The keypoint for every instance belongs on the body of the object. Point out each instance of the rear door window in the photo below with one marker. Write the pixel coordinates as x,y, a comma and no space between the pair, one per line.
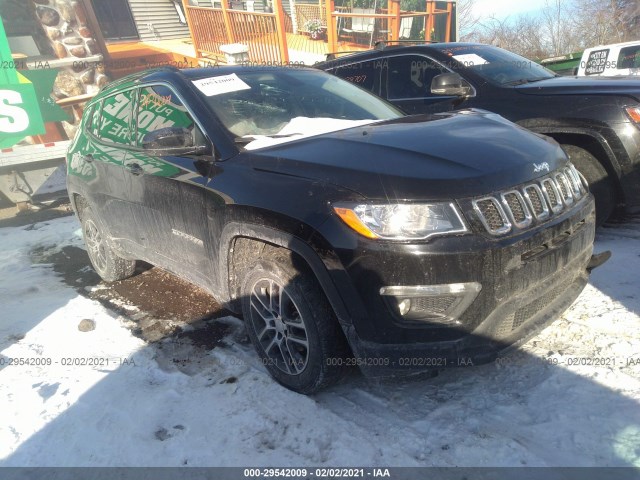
93,120
363,74
629,57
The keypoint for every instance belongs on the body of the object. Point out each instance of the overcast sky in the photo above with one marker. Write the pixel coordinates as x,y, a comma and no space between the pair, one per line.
504,8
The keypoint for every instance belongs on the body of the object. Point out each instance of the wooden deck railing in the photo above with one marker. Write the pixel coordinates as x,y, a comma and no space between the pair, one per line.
266,33
263,33
387,24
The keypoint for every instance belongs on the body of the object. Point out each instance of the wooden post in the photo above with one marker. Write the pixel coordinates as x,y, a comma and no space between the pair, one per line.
281,31
431,4
227,21
331,27
447,29
194,38
394,11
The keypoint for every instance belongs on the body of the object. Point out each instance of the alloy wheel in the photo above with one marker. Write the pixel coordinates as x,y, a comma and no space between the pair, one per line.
96,247
279,326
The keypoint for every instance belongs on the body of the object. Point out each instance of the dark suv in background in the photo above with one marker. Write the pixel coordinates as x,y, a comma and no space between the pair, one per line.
596,120
345,232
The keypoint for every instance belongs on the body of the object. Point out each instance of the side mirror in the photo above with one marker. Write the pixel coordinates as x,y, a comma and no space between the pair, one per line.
450,85
172,141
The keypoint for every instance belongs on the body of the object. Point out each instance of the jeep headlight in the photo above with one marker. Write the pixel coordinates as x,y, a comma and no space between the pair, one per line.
404,221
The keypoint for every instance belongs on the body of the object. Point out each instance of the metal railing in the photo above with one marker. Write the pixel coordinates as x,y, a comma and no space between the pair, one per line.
263,33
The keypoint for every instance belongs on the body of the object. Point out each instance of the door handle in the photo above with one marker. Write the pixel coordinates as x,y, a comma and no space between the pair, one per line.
134,168
88,158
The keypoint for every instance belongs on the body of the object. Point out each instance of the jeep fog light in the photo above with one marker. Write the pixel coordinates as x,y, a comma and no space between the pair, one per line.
404,306
442,304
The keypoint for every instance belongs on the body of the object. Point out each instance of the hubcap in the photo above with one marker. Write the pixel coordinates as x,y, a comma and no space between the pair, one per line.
279,326
95,245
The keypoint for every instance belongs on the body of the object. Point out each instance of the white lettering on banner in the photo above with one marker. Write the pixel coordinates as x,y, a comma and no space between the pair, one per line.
13,119
121,101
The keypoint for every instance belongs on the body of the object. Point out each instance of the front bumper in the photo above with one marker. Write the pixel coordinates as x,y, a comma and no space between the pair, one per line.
527,281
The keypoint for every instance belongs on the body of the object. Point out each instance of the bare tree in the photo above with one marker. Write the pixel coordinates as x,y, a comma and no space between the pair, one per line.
628,15
561,27
467,18
520,35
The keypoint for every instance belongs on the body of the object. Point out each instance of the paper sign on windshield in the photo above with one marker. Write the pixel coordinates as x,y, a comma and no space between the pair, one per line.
470,59
218,85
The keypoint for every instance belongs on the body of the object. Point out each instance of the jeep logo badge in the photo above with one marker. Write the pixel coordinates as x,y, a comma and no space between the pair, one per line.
540,167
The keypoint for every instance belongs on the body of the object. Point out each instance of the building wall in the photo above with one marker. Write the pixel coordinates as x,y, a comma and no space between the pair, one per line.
162,15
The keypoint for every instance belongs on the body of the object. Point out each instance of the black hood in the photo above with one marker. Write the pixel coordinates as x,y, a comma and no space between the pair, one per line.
436,157
626,86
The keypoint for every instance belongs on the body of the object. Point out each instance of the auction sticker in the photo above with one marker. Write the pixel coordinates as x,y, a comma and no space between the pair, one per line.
470,59
222,84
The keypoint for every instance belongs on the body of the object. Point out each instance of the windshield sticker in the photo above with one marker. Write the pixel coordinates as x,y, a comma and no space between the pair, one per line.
470,59
218,85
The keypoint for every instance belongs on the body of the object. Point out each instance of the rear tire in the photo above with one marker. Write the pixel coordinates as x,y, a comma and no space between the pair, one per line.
600,183
105,261
292,326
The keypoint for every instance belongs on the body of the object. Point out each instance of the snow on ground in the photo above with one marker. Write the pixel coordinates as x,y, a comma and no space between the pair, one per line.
138,408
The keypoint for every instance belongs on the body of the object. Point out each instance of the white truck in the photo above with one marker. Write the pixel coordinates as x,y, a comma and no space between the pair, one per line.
613,60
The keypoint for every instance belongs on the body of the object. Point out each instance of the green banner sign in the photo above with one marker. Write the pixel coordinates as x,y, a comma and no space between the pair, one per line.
25,99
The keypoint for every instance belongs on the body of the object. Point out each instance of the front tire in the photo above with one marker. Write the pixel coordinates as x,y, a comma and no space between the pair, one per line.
600,183
105,261
292,326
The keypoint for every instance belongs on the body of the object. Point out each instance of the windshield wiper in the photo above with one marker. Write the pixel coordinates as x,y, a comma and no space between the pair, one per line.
522,81
246,139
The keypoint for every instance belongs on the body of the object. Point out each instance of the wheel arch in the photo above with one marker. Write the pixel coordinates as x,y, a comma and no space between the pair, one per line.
591,141
241,244
78,204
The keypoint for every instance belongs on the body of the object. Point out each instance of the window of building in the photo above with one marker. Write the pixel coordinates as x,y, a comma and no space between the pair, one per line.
115,19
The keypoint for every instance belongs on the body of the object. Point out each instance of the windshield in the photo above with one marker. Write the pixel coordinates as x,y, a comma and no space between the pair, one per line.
496,65
266,102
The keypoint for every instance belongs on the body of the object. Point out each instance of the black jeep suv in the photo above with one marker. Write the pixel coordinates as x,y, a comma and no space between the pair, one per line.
345,232
596,120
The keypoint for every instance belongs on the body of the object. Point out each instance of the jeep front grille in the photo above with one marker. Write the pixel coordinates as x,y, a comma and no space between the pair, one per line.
492,215
536,201
517,208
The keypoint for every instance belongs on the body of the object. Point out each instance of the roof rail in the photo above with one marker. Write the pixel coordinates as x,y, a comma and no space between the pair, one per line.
379,45
334,55
382,44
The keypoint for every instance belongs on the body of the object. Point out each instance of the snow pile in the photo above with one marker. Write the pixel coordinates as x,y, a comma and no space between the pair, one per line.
303,127
138,408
